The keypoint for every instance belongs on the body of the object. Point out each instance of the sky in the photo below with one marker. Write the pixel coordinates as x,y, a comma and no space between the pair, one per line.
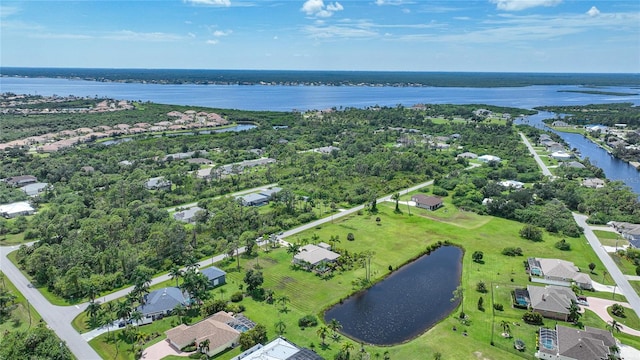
384,35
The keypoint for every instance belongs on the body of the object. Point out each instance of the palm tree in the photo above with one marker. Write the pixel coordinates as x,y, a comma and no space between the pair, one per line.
204,346
180,311
107,317
136,316
347,347
293,249
280,327
93,309
222,291
175,273
333,240
396,197
283,300
506,328
334,325
123,310
574,312
613,325
322,332
191,263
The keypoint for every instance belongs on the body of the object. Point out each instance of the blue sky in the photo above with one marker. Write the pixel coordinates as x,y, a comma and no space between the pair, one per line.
408,35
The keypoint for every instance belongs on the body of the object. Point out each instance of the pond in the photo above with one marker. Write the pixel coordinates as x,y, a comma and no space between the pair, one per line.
406,303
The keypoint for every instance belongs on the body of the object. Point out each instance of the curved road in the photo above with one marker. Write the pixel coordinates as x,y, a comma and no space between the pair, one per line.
59,317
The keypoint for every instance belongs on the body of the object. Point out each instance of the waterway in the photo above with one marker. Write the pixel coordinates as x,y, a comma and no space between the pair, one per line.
287,98
614,168
406,303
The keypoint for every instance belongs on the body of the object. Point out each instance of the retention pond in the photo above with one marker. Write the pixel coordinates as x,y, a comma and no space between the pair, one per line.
406,303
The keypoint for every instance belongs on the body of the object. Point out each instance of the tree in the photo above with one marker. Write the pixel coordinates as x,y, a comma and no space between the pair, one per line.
350,237
283,300
180,311
396,197
253,279
293,249
458,294
481,287
203,347
334,325
481,303
477,256
613,325
592,267
531,232
93,310
280,327
532,318
563,245
175,273
505,328
136,316
574,312
323,331
347,347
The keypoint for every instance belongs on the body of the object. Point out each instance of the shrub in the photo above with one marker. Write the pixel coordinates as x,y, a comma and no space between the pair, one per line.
531,232
617,310
350,237
190,347
563,245
481,303
532,318
307,321
498,307
512,251
481,287
438,191
477,256
237,296
638,270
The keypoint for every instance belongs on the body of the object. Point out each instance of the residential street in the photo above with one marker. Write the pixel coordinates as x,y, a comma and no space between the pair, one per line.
543,167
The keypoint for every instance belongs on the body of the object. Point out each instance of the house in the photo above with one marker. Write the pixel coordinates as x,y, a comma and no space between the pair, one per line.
315,256
21,180
512,184
551,301
253,200
559,123
326,149
34,189
278,349
200,161
427,202
221,330
158,183
87,169
573,164
188,215
557,272
593,183
216,276
564,343
489,158
468,155
16,209
270,192
161,302
628,231
561,155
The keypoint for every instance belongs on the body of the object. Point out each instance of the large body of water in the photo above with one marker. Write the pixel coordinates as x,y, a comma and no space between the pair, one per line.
405,304
287,98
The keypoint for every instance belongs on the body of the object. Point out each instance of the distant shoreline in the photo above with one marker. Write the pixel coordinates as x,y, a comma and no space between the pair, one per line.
326,78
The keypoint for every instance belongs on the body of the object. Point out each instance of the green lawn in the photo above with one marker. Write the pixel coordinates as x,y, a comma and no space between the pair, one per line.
627,267
19,319
609,238
630,318
395,240
12,239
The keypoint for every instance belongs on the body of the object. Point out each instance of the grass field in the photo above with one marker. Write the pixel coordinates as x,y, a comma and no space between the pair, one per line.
609,238
23,315
395,240
630,318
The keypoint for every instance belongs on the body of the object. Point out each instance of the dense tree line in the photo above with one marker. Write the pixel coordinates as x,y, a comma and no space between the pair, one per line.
605,114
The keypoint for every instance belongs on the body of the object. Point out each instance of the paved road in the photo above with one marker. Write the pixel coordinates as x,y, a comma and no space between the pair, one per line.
620,279
545,169
57,317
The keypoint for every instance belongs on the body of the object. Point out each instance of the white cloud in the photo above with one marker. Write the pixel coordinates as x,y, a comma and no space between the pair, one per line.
337,32
389,2
191,35
517,5
220,33
593,11
317,8
212,42
6,11
128,35
275,37
209,2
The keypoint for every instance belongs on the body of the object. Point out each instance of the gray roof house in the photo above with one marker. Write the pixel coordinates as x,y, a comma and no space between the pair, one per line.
34,189
271,192
628,231
557,272
573,164
160,302
575,344
215,275
21,180
468,155
188,215
314,255
551,301
253,199
158,183
593,183
427,202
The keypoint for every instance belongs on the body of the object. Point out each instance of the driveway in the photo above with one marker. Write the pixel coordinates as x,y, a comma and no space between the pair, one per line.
160,350
599,306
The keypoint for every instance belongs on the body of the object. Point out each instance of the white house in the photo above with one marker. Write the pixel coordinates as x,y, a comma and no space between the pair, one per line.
16,209
489,158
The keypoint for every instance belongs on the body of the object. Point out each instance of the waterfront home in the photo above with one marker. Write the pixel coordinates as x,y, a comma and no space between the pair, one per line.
315,256
278,349
628,231
594,183
551,301
564,343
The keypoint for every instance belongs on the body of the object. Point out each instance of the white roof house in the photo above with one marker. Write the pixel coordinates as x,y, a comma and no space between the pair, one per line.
16,209
488,158
561,155
512,184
